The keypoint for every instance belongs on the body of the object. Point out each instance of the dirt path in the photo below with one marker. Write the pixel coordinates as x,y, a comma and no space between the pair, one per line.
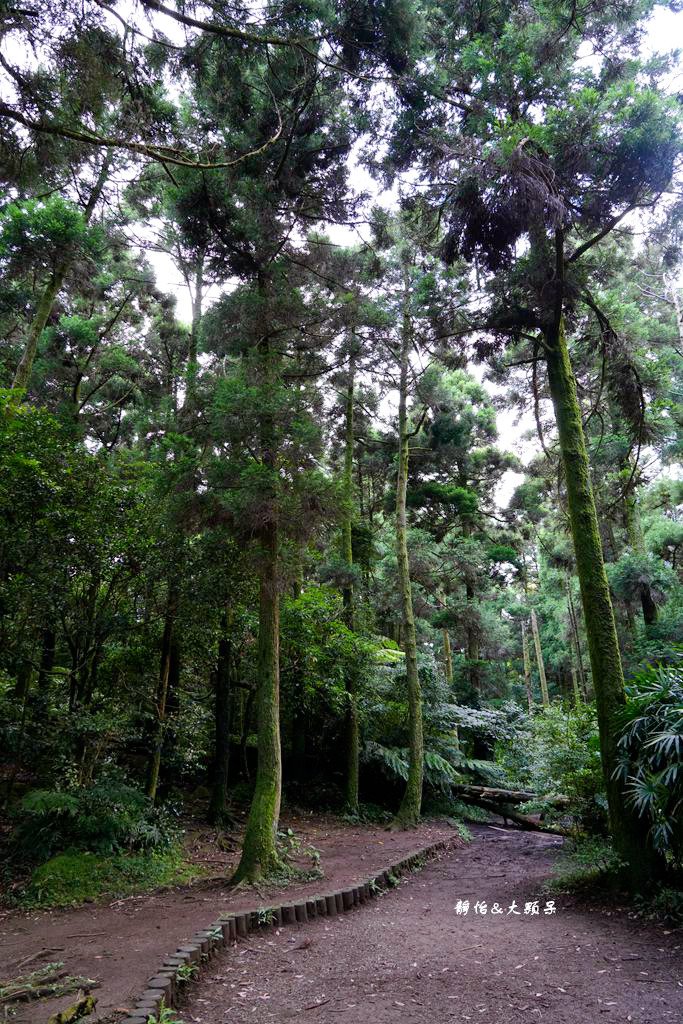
408,956
122,943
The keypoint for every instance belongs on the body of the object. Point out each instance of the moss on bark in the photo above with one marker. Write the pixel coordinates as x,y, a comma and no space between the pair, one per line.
603,646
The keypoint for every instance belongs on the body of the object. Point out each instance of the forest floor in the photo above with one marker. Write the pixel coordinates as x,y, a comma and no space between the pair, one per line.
120,943
408,956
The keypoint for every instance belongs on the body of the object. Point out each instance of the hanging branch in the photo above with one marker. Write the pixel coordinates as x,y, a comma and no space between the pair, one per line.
161,154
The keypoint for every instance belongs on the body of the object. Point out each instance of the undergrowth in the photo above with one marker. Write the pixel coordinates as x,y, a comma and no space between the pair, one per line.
591,869
77,877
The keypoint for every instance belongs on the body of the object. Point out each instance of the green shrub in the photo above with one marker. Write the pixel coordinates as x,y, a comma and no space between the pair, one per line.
107,817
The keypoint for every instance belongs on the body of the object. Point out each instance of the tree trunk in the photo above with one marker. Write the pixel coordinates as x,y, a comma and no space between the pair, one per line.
603,646
539,660
259,851
527,671
162,693
447,657
408,814
218,806
350,682
51,290
193,349
573,621
471,630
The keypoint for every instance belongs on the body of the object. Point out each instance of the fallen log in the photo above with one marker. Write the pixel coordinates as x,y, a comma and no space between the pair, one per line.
512,814
509,796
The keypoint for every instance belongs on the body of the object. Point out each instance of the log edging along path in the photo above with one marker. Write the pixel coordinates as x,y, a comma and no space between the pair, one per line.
166,985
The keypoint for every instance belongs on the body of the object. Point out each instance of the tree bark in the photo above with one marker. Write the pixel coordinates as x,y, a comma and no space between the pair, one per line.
408,814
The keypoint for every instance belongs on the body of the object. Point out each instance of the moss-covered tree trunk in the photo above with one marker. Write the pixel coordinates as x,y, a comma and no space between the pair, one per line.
447,658
603,646
218,805
539,660
527,670
352,725
22,376
259,851
409,812
574,626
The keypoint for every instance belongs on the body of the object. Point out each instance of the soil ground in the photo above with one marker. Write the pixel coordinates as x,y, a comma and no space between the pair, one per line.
121,943
409,957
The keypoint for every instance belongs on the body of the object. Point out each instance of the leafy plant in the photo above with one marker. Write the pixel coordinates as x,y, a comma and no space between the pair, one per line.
107,817
165,1016
651,747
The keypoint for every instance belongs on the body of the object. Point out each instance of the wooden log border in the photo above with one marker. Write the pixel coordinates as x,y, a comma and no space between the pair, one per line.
229,929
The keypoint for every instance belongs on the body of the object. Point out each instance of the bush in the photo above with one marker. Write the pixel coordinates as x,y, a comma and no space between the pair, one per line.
651,748
107,817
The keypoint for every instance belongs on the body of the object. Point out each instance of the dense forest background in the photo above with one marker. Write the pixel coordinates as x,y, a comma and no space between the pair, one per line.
283,547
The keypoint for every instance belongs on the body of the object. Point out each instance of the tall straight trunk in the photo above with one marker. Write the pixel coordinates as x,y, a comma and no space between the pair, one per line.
527,670
447,657
575,687
218,806
259,850
473,650
539,660
574,624
47,658
603,645
162,693
193,348
53,286
352,724
471,629
409,812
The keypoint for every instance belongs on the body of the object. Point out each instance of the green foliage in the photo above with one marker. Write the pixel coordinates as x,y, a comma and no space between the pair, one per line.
557,751
635,572
107,817
39,231
651,747
166,1015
